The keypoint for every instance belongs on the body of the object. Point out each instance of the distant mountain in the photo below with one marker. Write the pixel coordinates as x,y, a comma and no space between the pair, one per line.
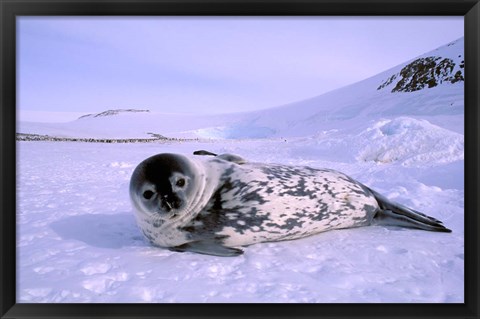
112,112
428,87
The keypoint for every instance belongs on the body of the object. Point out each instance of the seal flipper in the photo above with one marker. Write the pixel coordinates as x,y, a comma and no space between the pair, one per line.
227,157
395,214
208,247
203,152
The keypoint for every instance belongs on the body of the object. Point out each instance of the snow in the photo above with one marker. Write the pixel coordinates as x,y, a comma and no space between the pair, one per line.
77,240
46,117
410,142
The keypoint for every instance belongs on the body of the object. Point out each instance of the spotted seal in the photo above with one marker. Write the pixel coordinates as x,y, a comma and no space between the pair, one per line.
214,204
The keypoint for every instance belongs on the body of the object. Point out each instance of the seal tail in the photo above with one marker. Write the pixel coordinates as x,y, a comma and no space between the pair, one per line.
394,214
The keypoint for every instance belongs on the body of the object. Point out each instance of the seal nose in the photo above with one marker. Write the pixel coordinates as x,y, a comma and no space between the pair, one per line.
170,202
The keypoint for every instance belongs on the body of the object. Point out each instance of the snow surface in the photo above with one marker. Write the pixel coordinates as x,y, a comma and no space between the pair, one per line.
77,240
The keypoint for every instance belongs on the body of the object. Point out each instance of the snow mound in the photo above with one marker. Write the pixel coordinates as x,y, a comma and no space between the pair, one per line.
411,142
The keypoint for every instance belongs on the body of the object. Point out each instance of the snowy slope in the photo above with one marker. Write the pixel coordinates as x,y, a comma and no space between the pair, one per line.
77,240
363,100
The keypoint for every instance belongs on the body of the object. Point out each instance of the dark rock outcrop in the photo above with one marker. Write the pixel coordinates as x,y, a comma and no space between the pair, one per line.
424,73
112,112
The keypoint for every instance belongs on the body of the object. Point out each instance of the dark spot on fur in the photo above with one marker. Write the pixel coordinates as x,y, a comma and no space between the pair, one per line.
289,224
158,223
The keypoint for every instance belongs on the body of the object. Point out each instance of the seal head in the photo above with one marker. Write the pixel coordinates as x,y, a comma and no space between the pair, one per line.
161,185
168,191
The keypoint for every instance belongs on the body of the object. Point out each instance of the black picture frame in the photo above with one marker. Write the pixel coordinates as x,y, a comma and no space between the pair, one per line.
10,9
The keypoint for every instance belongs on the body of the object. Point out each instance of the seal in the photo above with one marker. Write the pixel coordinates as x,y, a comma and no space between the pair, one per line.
213,204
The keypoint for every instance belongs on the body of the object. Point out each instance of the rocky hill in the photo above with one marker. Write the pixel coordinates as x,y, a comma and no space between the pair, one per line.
440,66
425,73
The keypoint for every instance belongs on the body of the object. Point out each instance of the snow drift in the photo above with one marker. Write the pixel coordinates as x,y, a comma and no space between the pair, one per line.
410,142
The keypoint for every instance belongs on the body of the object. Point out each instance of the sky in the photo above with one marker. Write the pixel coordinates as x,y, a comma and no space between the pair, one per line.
80,65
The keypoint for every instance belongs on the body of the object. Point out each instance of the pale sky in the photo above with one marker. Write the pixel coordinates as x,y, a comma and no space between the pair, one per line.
209,64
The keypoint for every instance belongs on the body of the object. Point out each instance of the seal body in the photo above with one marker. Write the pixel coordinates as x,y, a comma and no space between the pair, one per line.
214,204
256,203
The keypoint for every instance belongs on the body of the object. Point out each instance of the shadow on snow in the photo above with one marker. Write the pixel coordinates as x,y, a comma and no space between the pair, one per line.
101,230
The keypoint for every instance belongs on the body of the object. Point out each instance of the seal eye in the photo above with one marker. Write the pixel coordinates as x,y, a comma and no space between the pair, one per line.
147,194
181,182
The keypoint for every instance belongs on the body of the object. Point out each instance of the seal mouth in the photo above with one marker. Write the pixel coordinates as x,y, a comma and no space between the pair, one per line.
169,204
167,216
